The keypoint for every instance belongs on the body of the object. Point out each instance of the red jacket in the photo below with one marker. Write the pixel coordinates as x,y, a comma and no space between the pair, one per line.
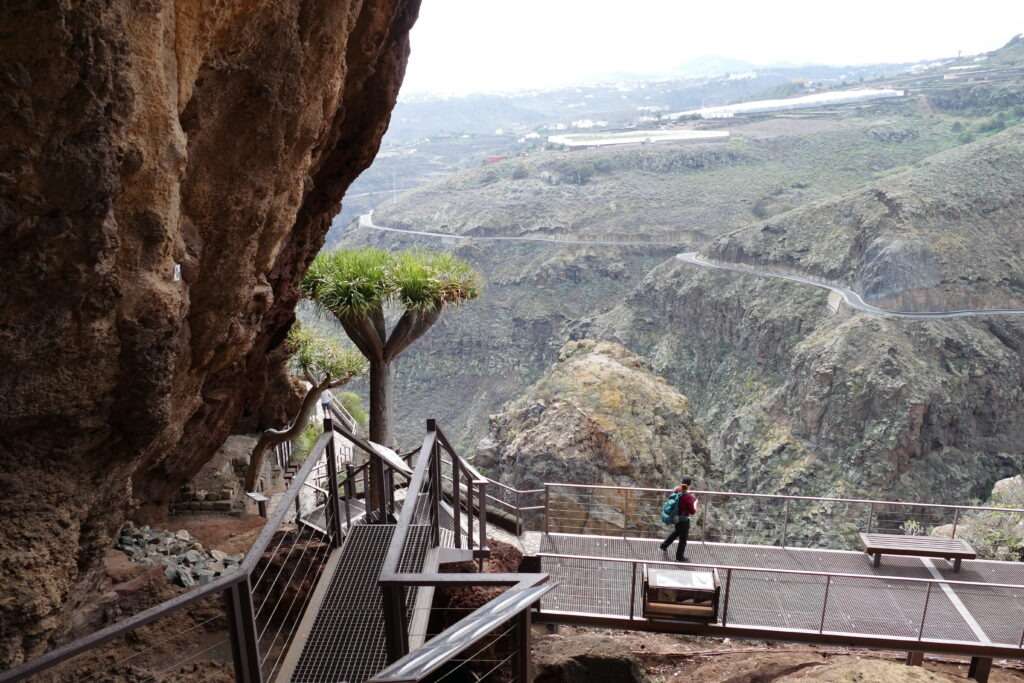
687,505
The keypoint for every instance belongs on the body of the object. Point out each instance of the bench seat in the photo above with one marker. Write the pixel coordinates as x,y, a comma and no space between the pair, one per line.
953,549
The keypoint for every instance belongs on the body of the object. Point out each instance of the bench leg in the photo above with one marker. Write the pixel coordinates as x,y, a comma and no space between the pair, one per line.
956,564
877,561
979,669
915,658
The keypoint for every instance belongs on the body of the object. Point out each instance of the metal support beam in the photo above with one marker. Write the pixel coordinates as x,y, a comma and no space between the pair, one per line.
435,496
245,648
979,669
457,503
523,668
350,493
395,629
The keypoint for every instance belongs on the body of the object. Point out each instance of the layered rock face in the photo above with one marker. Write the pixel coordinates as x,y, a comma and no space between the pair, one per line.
169,169
598,416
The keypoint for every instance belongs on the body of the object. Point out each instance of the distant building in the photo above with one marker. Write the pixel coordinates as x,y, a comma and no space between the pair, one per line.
582,140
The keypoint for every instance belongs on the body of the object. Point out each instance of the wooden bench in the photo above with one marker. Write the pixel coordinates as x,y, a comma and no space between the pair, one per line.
952,549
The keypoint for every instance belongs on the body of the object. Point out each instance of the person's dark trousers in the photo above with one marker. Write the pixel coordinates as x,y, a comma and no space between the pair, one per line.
682,532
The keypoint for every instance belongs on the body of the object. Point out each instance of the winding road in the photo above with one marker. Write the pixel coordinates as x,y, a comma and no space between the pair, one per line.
366,221
849,296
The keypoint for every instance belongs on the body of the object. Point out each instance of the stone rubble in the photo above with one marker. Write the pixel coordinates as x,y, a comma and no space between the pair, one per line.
185,561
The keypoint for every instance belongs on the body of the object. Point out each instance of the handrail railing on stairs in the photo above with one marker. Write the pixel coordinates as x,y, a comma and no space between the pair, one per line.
251,662
422,505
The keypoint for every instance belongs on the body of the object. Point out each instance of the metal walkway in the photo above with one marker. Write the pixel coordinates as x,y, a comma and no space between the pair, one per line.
872,604
346,641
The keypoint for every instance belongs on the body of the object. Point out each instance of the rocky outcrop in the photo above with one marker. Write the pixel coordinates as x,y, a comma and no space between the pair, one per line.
598,416
169,170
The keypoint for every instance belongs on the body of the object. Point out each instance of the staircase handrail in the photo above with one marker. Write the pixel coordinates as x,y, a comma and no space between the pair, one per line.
218,585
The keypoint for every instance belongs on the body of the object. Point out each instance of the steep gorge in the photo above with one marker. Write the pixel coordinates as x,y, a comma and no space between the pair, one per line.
169,169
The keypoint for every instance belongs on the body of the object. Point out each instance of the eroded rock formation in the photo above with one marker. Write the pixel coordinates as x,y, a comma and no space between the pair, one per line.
168,171
598,416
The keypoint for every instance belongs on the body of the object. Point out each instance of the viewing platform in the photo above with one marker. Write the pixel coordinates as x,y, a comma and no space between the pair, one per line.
337,588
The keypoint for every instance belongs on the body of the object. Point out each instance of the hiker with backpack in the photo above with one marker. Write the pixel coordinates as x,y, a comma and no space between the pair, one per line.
677,510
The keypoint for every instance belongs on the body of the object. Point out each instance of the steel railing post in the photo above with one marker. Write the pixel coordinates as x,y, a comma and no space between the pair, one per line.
824,603
395,629
785,521
547,505
632,593
457,506
523,652
871,514
625,513
350,493
469,511
483,520
924,612
704,520
725,600
245,647
435,495
956,520
332,504
389,489
519,516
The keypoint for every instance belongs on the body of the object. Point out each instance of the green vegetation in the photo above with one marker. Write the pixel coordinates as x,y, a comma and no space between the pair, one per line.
358,287
354,405
304,443
325,365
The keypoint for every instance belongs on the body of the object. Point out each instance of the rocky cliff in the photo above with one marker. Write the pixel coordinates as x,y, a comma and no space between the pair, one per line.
598,416
168,171
798,399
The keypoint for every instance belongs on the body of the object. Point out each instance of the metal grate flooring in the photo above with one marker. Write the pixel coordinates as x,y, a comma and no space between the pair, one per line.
347,643
873,606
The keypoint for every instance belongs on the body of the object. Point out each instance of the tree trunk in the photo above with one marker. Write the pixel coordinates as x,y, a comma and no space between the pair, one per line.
271,437
380,426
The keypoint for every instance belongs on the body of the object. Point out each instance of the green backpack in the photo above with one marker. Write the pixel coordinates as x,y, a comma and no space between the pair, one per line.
670,509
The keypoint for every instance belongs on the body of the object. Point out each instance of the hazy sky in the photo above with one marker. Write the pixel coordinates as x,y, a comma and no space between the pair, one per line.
462,46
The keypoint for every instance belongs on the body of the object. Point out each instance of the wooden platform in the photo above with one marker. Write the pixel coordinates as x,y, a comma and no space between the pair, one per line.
953,549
